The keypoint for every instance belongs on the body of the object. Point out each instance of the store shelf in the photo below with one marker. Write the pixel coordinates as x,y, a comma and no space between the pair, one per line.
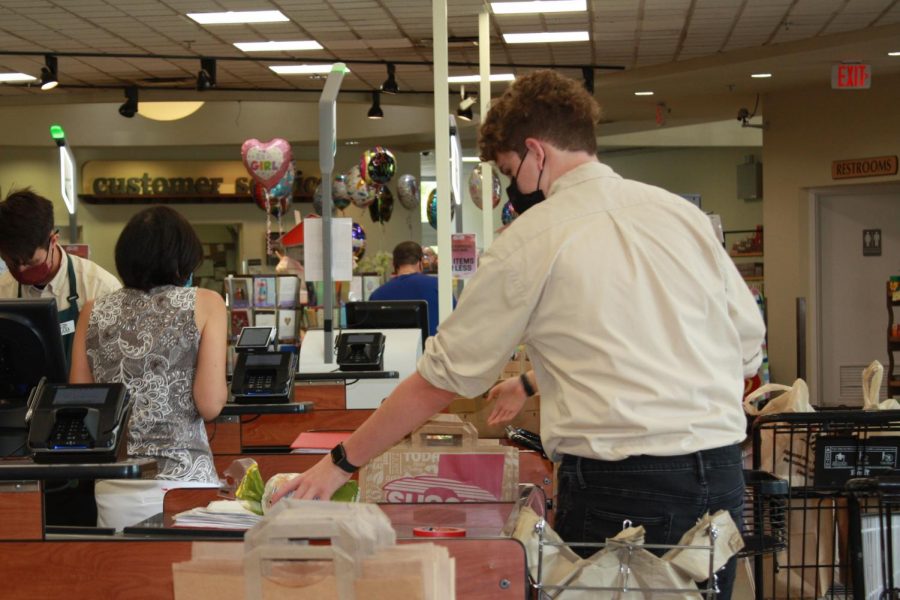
754,278
745,254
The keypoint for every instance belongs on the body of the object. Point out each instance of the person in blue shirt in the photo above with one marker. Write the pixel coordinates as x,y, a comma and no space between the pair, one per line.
410,283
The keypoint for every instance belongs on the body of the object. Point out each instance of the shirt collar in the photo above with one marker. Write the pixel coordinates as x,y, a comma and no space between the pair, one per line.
583,172
60,278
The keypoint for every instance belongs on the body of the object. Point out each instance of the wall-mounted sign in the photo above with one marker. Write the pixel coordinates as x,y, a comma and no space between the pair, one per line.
864,167
851,76
180,181
465,255
871,242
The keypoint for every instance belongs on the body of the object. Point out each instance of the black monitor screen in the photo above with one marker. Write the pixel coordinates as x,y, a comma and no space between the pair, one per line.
389,314
30,346
80,396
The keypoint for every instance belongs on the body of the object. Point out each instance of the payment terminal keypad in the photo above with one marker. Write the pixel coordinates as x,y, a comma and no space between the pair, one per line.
69,433
260,383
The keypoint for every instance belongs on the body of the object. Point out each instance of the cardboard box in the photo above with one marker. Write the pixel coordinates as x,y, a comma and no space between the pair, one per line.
443,461
477,410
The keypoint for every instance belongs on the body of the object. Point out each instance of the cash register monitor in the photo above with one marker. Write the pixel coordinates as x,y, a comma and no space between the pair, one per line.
389,314
30,348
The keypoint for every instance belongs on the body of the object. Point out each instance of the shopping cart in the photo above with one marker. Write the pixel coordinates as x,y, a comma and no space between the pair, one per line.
763,532
817,453
875,537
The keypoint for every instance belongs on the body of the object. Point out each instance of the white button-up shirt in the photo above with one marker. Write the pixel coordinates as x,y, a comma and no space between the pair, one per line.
638,324
91,281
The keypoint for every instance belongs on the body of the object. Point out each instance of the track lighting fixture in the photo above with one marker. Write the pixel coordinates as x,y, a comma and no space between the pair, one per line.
49,73
464,110
206,77
129,108
588,74
375,112
390,84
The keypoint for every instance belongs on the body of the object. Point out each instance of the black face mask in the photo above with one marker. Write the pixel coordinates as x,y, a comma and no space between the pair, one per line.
520,201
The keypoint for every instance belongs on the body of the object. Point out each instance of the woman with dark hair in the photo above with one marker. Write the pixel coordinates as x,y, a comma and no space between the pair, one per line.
166,342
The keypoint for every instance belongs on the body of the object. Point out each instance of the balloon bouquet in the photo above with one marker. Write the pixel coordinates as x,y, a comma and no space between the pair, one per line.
271,166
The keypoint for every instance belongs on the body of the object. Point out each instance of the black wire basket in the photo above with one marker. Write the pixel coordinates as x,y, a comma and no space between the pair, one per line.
765,515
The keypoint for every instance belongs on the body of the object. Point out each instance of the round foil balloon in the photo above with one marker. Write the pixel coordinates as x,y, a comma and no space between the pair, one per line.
408,192
383,207
357,189
285,186
475,186
509,214
277,206
432,208
377,165
358,237
339,197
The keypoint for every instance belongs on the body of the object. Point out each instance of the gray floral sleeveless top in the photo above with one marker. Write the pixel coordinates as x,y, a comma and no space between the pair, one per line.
149,342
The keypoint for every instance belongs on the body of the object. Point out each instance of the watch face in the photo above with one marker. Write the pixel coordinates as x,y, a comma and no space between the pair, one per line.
338,455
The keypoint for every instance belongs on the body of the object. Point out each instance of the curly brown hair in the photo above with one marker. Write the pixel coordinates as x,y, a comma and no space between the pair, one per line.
543,105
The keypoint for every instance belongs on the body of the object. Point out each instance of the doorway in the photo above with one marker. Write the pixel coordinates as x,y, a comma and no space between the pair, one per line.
850,277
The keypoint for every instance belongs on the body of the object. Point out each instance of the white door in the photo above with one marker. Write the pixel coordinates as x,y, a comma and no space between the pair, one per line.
853,305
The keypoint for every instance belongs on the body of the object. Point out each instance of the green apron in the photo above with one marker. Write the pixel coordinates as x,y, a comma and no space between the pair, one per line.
69,317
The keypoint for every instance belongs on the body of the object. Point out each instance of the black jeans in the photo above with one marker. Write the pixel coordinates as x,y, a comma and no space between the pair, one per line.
665,494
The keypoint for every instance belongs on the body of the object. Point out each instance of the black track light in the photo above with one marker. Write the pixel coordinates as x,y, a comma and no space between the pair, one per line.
129,108
464,110
375,112
49,73
206,78
390,84
588,74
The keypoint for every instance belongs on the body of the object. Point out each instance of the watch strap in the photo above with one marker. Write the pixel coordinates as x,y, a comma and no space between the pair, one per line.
526,385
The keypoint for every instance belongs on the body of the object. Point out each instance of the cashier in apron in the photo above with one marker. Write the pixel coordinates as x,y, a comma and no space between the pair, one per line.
69,316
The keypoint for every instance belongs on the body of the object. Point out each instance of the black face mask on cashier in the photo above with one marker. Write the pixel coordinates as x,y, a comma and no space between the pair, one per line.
521,201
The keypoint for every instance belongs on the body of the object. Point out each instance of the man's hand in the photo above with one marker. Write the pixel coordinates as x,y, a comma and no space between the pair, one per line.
318,483
509,397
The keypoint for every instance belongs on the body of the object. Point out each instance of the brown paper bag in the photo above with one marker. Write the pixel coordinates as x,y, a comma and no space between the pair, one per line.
557,561
643,574
695,561
443,461
811,542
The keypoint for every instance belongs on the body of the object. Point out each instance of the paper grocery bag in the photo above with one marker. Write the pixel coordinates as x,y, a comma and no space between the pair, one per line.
443,461
811,541
695,561
557,561
633,572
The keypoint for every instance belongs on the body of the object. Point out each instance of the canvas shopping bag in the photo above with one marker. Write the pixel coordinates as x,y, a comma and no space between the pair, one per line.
784,455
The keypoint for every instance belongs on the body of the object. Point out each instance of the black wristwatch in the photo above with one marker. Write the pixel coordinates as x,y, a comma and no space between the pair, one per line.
339,458
526,385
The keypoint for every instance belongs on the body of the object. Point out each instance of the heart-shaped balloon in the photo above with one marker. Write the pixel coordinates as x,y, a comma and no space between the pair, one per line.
267,162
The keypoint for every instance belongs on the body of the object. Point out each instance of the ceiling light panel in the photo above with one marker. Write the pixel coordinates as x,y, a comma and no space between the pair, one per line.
538,6
295,45
546,37
235,17
476,78
16,77
300,69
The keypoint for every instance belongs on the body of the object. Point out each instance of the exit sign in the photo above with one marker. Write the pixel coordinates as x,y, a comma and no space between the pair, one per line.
855,76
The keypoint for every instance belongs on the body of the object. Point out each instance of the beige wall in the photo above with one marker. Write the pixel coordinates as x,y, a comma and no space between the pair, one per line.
101,224
806,130
710,172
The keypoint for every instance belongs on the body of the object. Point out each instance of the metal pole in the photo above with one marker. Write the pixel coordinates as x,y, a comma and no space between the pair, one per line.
327,149
484,97
442,155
